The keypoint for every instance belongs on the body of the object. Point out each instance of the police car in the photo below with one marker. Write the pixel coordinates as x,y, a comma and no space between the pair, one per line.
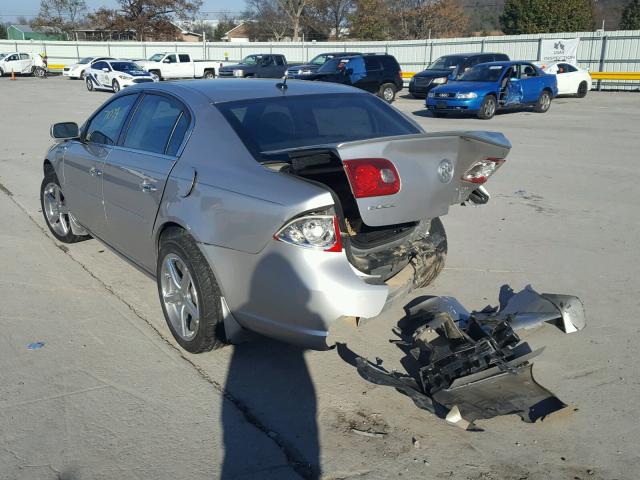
116,75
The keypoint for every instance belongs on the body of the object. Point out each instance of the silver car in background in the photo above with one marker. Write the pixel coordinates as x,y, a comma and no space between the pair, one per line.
277,208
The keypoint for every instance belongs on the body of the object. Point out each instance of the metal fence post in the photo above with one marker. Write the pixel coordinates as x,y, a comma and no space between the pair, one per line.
77,50
603,55
482,46
539,56
431,52
109,49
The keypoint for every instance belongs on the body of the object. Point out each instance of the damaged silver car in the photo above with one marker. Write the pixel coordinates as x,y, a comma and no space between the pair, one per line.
277,208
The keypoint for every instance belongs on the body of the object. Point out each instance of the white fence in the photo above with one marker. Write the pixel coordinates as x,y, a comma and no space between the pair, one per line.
617,51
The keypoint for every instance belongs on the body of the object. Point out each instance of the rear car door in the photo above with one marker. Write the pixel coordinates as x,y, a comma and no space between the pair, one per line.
185,66
372,81
84,160
136,173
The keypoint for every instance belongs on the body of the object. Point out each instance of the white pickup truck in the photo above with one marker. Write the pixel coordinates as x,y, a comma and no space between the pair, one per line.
179,65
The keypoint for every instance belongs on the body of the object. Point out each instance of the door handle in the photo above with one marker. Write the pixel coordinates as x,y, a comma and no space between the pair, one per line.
148,187
95,172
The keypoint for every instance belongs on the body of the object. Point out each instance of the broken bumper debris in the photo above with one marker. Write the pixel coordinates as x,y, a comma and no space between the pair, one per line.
464,366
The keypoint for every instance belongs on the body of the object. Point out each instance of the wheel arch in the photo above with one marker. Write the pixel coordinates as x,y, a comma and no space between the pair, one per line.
47,167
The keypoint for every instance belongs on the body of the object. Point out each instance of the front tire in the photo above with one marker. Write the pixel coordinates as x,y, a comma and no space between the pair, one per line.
89,84
189,294
116,86
583,88
544,102
488,107
387,92
55,210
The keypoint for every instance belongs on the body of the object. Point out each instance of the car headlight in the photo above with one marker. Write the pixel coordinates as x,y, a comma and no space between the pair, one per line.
238,73
466,96
439,81
305,72
431,94
123,77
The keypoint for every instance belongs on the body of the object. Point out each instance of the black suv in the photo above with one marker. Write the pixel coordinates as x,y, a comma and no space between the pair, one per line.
449,67
303,71
379,74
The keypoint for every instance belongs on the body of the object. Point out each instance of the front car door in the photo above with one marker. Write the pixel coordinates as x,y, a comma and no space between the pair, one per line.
170,66
12,63
84,161
531,83
136,172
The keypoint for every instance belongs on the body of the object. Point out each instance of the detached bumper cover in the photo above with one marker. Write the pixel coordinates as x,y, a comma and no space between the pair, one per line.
468,366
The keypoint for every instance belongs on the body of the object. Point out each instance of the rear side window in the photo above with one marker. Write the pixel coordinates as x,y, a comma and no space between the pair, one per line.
184,58
372,63
389,63
501,57
105,126
154,123
280,123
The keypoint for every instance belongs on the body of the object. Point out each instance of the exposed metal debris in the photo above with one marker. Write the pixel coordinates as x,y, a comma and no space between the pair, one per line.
464,366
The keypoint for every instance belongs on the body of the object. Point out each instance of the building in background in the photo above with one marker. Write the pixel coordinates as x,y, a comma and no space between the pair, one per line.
25,32
237,34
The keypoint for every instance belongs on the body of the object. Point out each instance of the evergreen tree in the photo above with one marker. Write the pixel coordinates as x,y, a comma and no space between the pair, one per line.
546,16
631,16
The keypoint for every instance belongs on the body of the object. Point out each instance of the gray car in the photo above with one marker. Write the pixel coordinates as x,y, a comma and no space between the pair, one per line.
256,205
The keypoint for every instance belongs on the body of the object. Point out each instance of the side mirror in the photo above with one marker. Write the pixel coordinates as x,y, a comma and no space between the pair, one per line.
105,69
65,130
166,60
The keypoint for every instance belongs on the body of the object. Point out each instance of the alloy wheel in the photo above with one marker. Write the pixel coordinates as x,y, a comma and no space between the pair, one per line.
489,108
179,296
387,93
55,209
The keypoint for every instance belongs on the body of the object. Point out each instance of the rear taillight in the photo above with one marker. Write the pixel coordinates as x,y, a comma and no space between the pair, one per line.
320,232
372,177
481,170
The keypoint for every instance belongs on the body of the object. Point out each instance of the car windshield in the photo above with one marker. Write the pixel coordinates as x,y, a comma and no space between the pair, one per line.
283,123
252,60
85,60
334,65
445,63
2,55
322,59
483,73
126,67
157,57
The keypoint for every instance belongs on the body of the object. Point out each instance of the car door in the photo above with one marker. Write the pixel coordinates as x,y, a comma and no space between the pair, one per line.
25,63
185,67
100,72
372,79
567,77
267,67
12,63
170,66
531,83
136,172
84,160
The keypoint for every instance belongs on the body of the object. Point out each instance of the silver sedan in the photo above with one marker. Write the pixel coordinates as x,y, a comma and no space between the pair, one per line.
276,208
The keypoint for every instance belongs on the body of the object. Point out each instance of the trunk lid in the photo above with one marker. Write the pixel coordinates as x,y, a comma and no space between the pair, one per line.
430,167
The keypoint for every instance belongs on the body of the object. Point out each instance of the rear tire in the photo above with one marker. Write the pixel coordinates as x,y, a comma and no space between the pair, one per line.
209,75
189,294
544,102
157,74
428,267
583,88
387,92
488,107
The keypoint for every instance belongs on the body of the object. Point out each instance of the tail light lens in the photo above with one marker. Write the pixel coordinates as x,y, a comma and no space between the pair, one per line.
480,171
320,232
372,177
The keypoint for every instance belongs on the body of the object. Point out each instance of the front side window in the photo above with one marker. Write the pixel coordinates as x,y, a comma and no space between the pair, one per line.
126,67
528,71
12,58
106,125
171,58
252,60
24,56
278,123
153,124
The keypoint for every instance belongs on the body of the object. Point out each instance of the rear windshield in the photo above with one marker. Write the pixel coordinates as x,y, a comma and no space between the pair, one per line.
282,123
483,73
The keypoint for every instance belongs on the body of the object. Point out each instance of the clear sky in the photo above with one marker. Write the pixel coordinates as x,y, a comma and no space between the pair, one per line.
10,9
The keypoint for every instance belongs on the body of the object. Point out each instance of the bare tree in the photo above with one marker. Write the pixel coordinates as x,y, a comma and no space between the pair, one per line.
294,10
328,17
266,20
61,15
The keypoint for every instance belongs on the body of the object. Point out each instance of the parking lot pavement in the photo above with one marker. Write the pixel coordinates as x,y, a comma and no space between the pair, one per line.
563,216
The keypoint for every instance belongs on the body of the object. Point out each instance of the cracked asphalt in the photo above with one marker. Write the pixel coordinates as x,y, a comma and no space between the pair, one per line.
110,395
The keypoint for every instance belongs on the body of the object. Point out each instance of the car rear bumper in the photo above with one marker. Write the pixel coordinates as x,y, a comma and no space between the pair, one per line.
294,294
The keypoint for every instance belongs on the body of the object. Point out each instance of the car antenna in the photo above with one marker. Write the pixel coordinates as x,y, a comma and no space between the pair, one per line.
282,85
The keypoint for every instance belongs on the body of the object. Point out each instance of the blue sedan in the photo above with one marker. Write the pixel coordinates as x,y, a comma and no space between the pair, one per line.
488,87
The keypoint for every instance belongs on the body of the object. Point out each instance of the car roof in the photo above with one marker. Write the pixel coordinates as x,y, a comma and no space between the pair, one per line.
505,63
231,89
471,54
